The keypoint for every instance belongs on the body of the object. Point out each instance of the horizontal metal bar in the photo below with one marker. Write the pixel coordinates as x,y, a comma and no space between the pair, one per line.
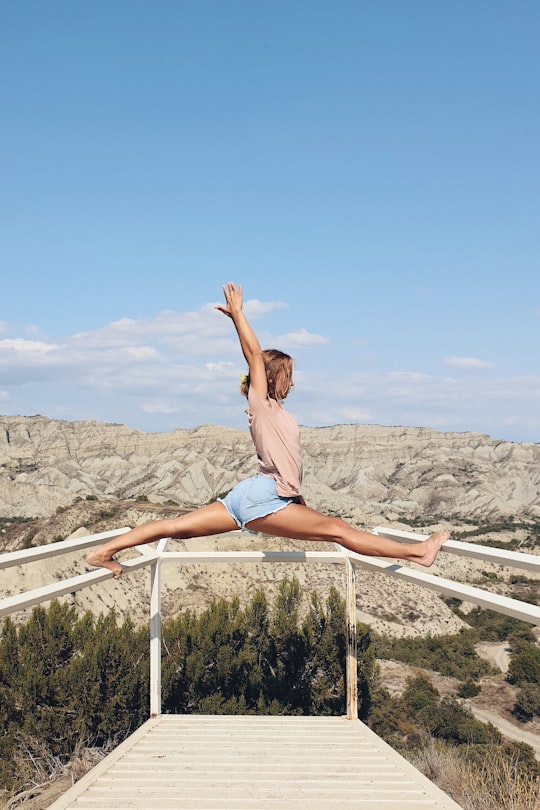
502,604
513,559
512,607
253,556
11,604
27,555
468,593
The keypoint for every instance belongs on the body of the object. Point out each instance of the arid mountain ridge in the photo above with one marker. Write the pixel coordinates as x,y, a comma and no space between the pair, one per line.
388,473
69,479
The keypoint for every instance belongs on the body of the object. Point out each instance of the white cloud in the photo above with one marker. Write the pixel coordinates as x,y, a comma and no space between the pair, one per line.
159,406
22,360
141,353
356,414
467,363
300,339
33,329
191,358
255,309
501,407
179,369
27,347
409,376
220,368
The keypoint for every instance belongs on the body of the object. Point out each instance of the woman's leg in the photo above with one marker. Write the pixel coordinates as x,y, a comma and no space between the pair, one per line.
302,523
211,519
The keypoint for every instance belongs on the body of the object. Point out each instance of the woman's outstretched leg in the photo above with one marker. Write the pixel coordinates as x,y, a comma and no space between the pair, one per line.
211,519
302,523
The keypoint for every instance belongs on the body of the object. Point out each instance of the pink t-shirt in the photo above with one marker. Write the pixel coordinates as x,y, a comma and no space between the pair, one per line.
276,437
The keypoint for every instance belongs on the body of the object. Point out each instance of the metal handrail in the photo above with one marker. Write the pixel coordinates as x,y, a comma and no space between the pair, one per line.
154,557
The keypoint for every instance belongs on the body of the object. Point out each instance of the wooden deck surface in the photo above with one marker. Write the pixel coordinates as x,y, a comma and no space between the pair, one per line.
207,762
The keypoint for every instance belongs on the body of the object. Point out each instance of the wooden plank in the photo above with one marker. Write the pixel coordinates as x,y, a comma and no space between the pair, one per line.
203,762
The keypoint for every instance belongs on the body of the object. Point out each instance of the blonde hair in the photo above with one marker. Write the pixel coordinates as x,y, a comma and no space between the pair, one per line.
278,366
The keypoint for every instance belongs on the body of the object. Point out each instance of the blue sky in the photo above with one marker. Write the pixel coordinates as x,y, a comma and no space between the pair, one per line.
368,171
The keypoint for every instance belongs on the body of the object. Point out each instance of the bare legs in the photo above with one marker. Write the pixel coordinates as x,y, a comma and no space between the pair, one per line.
294,521
302,523
212,519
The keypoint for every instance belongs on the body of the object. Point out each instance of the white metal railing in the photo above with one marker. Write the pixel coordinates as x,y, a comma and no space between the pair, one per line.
155,557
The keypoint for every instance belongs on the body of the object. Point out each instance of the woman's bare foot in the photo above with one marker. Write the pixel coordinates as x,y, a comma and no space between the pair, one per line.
428,550
102,560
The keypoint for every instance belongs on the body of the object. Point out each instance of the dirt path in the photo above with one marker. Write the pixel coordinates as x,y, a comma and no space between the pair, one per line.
497,652
495,693
510,730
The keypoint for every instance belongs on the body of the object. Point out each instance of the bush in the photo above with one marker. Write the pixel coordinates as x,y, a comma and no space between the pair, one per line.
259,659
453,655
468,689
492,626
421,712
68,681
527,704
465,757
525,666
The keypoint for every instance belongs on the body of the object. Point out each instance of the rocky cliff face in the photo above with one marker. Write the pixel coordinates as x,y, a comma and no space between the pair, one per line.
378,471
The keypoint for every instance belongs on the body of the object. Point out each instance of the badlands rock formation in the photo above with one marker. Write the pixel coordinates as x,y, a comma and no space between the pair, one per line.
356,470
74,479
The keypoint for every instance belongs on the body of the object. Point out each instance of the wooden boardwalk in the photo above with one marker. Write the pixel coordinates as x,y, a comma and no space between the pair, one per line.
207,762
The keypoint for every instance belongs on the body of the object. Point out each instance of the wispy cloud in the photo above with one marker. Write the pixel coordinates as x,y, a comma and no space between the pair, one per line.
411,398
22,347
171,362
180,369
22,360
409,377
300,339
256,309
158,406
471,363
357,414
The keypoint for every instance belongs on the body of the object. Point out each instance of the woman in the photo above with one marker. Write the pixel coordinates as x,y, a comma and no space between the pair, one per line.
270,502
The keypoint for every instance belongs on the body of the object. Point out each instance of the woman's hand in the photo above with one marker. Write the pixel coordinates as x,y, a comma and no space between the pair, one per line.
249,343
233,300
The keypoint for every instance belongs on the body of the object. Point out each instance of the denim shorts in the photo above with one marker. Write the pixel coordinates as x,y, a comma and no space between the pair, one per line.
254,498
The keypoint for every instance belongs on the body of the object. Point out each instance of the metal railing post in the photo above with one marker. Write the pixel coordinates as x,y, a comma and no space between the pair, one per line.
351,660
155,630
155,639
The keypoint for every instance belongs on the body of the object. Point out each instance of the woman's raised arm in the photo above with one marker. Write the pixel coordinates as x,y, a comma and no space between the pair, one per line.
249,343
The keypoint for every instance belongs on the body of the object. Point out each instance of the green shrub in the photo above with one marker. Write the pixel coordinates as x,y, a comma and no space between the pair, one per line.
527,704
452,655
525,666
68,680
468,689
